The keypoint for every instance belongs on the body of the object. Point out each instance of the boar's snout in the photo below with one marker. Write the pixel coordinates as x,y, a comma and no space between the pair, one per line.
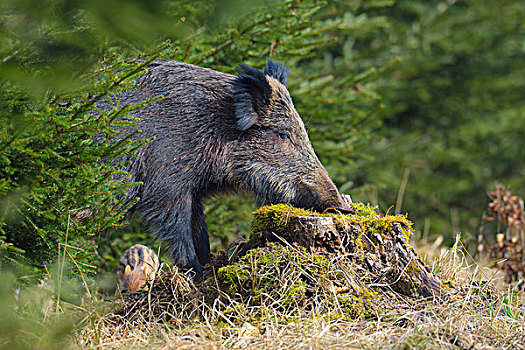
322,195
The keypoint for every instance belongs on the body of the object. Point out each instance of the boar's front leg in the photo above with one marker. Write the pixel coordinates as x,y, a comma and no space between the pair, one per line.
201,240
178,230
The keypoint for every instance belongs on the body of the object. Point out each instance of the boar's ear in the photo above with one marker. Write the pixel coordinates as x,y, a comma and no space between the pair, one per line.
277,71
251,96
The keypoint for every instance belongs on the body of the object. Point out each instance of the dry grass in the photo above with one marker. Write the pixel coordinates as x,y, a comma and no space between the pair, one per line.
175,313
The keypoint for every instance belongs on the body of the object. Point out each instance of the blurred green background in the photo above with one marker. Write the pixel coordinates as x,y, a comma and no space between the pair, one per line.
414,106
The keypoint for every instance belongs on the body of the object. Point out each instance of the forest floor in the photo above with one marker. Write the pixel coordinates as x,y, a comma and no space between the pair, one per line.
332,283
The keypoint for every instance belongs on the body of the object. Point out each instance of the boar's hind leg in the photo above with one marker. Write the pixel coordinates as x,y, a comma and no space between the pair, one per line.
201,240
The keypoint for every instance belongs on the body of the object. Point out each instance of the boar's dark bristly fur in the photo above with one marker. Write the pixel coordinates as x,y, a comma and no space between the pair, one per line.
216,132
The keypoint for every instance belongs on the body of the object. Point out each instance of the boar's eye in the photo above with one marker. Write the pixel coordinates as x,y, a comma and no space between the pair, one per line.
285,136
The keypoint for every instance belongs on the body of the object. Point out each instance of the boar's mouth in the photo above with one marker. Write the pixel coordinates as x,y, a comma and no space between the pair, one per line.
322,197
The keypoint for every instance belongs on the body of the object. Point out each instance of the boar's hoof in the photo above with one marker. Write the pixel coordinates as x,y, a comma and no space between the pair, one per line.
194,269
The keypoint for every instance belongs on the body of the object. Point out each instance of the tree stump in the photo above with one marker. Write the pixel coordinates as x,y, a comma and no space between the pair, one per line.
376,244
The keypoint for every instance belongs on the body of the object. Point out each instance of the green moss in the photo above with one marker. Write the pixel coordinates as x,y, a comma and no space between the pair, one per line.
386,224
406,282
369,294
412,268
361,209
276,217
258,276
359,304
448,284
356,307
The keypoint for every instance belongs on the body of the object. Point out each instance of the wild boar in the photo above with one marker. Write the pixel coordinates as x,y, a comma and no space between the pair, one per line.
214,133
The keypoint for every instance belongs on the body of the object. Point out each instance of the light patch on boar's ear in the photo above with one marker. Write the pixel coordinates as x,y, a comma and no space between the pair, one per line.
251,96
277,71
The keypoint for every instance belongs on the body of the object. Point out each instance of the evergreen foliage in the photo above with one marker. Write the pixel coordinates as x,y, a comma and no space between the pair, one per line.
58,185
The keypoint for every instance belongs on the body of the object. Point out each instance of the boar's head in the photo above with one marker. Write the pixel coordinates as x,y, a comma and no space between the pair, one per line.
274,157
